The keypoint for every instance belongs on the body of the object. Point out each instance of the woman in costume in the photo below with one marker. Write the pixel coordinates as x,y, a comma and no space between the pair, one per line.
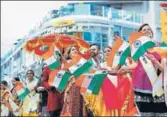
16,100
148,104
31,101
73,101
107,51
5,93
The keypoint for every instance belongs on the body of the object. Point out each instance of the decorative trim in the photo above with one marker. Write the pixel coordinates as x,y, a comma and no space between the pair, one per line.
143,91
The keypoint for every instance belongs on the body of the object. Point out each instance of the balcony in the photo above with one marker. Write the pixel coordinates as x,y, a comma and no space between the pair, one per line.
101,11
126,16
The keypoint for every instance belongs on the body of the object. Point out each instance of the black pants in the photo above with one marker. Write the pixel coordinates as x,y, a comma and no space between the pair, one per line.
55,113
89,113
11,114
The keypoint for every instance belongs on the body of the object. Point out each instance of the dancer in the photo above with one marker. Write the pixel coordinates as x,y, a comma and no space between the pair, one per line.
148,104
74,103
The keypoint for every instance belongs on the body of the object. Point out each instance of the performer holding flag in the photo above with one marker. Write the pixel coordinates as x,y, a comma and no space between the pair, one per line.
121,101
147,79
74,103
31,100
5,106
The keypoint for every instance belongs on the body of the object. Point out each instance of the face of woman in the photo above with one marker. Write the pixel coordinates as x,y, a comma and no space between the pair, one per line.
107,51
3,87
73,51
13,82
30,75
147,31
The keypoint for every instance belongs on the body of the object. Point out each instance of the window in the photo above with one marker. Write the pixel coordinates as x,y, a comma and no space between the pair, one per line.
17,55
54,13
104,40
126,32
115,13
106,11
129,16
97,10
117,30
87,36
66,10
82,9
97,39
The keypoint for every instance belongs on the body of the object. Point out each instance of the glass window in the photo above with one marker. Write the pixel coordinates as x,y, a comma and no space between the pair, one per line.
138,18
66,10
17,56
82,9
97,10
54,13
116,14
128,16
117,30
97,39
87,36
126,32
104,40
106,11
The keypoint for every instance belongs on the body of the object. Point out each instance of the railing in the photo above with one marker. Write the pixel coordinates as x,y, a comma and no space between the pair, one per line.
126,16
116,14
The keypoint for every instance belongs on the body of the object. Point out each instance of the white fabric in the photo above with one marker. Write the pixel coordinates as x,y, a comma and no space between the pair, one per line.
151,73
31,101
4,110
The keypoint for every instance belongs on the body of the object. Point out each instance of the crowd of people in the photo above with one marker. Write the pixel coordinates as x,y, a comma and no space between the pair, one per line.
132,80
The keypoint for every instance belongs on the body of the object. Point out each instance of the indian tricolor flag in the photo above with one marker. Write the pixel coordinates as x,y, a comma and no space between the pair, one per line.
51,58
120,51
59,79
93,82
139,44
21,91
80,66
41,49
87,78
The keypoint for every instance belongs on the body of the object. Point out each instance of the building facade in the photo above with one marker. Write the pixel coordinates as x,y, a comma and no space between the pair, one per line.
96,22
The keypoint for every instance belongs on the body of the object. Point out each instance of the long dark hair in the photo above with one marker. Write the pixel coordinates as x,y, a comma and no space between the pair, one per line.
16,79
67,53
4,82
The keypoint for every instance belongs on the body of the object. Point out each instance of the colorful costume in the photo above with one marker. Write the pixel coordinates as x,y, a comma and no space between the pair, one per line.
148,105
